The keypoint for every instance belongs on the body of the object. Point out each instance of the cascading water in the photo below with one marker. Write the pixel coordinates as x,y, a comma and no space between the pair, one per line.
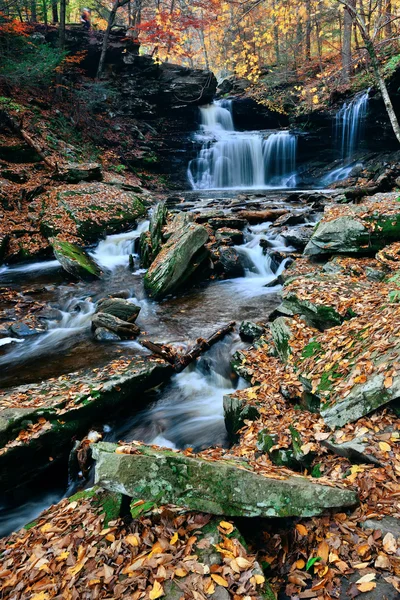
349,125
240,160
348,134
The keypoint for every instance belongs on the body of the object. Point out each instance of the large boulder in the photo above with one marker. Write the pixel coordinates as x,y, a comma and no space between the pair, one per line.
179,258
75,260
218,487
357,229
76,172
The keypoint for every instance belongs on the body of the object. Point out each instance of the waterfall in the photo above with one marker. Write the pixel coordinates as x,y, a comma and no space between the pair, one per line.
240,160
349,125
349,128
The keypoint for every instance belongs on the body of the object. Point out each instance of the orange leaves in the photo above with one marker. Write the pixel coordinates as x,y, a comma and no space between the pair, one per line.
301,529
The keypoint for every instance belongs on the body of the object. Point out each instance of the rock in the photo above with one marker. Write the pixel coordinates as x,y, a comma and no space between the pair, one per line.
383,590
250,331
25,329
240,366
119,307
179,258
315,315
102,334
96,209
231,237
75,260
122,328
262,216
281,334
3,247
354,450
157,222
227,222
298,237
385,525
76,172
231,263
217,487
50,314
69,412
236,411
363,230
292,218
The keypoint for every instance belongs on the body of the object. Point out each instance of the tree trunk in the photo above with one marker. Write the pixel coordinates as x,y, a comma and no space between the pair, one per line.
54,10
388,19
110,23
346,45
61,40
44,5
308,33
382,86
33,11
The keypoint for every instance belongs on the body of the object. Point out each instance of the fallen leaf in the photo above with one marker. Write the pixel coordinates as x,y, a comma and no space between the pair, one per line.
157,591
219,580
389,543
301,529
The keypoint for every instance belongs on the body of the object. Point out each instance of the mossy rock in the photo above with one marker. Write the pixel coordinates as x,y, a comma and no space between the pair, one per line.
75,260
218,487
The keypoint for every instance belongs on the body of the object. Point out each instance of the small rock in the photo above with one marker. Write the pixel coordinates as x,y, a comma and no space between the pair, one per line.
119,307
250,331
105,335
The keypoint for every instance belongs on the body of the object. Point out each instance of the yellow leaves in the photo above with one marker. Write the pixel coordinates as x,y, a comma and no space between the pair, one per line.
180,572
323,551
301,529
78,566
300,564
384,446
40,596
157,591
174,538
355,469
315,99
46,527
132,540
366,583
259,579
226,527
62,556
219,580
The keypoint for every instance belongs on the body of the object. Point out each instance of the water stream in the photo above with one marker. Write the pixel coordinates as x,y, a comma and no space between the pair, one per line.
231,159
187,411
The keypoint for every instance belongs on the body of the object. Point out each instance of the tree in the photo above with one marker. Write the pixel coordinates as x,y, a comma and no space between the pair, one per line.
117,4
364,30
346,44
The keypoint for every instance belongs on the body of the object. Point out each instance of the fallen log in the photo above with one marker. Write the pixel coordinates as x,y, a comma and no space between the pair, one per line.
261,216
181,361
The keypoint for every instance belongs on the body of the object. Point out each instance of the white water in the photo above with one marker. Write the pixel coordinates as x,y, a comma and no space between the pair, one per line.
189,412
348,134
230,159
115,250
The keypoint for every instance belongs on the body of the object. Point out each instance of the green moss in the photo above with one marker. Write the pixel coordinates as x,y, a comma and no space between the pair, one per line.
30,525
311,349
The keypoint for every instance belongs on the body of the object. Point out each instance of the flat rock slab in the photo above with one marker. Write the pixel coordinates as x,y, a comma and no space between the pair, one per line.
218,487
38,422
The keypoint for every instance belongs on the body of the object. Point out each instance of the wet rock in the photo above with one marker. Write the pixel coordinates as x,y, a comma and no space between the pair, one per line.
216,487
75,260
227,222
230,237
291,219
250,331
178,260
157,222
299,236
119,307
50,314
25,329
76,172
102,334
230,262
108,321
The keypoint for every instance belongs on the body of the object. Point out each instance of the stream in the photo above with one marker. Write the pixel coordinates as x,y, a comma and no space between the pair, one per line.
185,412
